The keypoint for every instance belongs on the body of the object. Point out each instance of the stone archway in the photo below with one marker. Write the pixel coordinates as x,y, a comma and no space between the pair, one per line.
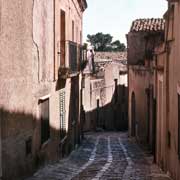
133,114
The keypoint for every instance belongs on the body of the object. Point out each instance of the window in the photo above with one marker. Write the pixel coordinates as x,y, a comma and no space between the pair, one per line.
62,113
73,31
179,125
45,128
63,38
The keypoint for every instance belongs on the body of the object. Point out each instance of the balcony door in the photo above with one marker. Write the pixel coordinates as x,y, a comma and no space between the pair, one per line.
62,37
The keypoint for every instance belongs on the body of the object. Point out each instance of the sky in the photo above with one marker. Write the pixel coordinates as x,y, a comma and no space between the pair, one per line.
115,16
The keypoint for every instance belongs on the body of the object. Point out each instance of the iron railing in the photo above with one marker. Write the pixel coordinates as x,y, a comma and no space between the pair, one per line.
74,56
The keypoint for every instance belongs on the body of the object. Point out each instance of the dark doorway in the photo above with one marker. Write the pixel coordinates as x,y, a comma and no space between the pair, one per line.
63,37
154,129
74,111
148,114
45,128
133,115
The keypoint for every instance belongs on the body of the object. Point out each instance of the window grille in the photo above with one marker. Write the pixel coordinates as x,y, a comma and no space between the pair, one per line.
62,113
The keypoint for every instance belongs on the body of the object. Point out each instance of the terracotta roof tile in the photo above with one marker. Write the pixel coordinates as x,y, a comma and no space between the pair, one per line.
154,24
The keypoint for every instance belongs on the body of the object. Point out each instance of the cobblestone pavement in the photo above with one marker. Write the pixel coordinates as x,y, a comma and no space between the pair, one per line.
103,156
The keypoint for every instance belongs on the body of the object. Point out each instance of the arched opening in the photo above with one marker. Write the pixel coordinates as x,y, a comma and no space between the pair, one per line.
133,115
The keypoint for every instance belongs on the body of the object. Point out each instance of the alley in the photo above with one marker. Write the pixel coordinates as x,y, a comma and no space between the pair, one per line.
103,156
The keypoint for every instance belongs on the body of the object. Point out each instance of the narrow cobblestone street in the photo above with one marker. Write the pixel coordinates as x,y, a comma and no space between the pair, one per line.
103,156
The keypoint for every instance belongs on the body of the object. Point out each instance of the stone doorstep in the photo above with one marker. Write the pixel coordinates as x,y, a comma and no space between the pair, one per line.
158,177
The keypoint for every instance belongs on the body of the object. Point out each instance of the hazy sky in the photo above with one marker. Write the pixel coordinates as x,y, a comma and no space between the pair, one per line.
115,16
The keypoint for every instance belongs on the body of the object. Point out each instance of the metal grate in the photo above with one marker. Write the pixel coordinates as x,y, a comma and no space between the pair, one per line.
62,112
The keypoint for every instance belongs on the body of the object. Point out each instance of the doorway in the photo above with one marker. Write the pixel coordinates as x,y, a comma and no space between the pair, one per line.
133,115
74,111
147,91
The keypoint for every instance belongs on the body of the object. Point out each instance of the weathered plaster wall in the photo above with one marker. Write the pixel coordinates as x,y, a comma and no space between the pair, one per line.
169,159
26,74
43,37
16,81
110,113
174,80
139,81
136,48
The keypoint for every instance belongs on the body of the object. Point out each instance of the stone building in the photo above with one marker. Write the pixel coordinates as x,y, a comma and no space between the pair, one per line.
167,76
144,36
40,57
105,94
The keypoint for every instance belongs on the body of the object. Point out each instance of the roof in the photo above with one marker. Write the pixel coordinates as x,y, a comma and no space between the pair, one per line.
107,56
83,4
148,25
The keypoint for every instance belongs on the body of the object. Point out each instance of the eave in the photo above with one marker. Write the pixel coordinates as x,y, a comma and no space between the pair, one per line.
82,4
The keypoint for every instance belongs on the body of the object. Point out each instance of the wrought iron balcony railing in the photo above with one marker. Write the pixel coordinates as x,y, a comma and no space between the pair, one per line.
75,57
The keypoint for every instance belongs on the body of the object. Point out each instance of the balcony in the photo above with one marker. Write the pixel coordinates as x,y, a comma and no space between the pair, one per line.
72,59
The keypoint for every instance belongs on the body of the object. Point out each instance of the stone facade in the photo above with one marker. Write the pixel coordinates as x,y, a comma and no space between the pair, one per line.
30,84
167,92
164,80
145,35
105,95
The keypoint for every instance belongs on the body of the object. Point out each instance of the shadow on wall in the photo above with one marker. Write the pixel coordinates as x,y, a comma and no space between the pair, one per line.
112,116
27,143
74,124
17,155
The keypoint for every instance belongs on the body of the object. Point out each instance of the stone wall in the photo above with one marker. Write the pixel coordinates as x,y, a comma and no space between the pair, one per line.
139,82
105,101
